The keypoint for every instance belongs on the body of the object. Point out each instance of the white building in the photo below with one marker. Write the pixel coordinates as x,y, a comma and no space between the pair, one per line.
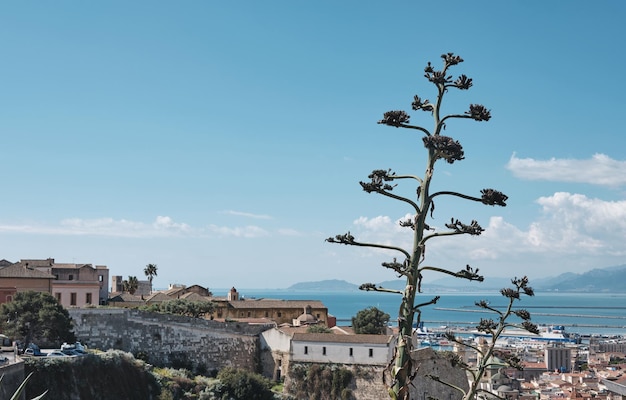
342,349
289,344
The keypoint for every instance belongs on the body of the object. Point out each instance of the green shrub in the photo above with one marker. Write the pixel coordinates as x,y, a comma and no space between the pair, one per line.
237,384
320,382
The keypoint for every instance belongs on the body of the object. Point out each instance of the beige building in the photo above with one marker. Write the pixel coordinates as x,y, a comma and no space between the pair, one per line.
21,277
234,307
73,285
280,311
80,285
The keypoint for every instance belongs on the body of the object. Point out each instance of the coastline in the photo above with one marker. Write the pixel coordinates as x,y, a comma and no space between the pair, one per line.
581,313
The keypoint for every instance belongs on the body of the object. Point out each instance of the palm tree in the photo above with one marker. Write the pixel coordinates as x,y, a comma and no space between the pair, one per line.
131,284
151,272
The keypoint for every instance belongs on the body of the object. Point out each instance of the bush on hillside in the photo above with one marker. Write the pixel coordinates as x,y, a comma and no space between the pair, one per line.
238,384
320,382
106,376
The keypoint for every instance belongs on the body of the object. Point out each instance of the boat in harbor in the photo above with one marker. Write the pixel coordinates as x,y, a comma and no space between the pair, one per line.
554,333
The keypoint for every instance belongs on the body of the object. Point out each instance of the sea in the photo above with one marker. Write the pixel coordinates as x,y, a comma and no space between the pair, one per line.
601,314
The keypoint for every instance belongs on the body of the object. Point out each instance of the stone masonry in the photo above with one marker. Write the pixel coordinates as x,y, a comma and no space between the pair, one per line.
170,340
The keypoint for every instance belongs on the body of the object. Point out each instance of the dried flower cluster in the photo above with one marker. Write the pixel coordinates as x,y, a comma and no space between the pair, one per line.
418,104
445,147
346,238
395,118
493,197
378,177
470,274
472,229
478,112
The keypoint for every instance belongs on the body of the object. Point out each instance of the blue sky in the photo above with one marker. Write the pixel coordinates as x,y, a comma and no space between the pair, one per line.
224,141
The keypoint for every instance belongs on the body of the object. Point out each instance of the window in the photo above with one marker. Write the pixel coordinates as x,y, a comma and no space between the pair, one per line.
371,352
100,278
324,350
351,351
72,299
306,349
70,278
56,277
280,314
58,296
267,314
9,298
318,315
88,298
248,314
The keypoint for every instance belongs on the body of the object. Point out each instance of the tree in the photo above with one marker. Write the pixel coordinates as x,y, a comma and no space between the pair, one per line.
411,265
194,309
370,321
240,384
131,284
151,272
36,316
318,329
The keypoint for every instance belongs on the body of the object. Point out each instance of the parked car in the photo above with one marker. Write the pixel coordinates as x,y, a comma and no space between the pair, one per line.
71,352
33,350
77,347
56,353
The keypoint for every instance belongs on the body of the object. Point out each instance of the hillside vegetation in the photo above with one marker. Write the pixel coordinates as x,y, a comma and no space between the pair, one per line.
115,375
108,376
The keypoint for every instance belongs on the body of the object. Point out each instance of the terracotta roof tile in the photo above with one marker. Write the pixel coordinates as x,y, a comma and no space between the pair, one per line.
18,270
263,303
332,338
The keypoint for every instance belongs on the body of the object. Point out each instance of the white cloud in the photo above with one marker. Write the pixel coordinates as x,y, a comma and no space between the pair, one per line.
289,232
247,215
573,232
166,223
600,169
382,229
161,227
249,231
379,223
577,223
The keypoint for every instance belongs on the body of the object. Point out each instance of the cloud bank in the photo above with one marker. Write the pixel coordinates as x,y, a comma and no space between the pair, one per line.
162,226
571,229
600,170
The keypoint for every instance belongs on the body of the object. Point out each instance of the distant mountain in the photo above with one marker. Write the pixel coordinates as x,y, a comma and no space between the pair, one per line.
597,280
490,283
326,285
610,279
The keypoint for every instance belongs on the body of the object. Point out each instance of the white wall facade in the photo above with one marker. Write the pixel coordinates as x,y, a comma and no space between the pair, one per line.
275,340
341,353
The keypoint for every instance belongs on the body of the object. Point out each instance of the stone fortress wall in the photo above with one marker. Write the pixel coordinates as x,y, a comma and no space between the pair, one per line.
164,339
